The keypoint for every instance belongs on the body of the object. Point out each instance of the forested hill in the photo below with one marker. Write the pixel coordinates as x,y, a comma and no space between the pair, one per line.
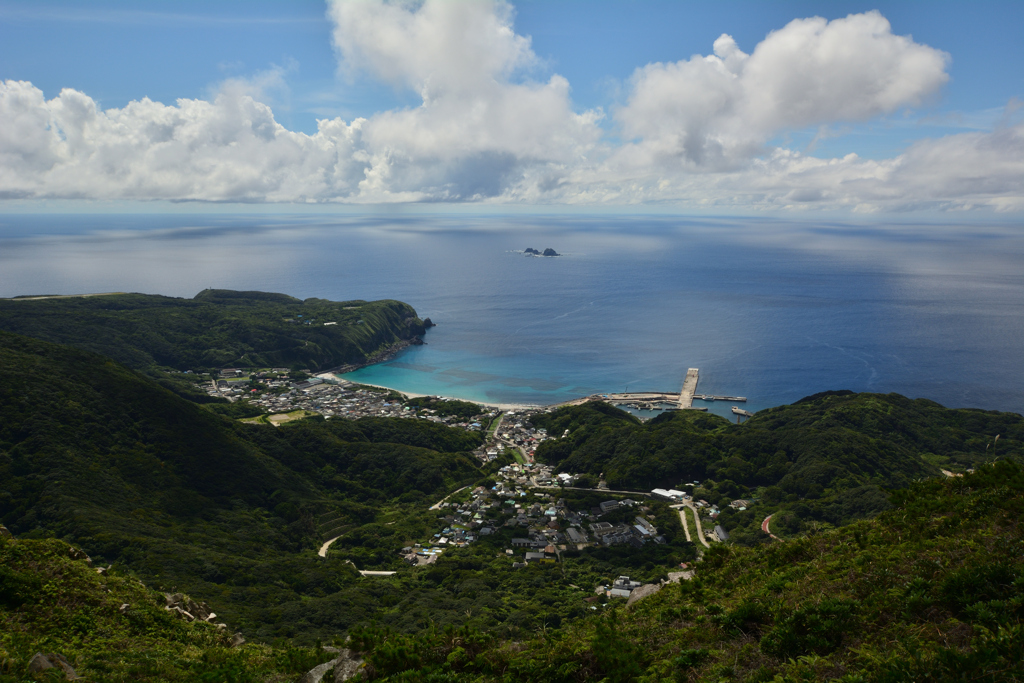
827,457
932,590
98,454
216,329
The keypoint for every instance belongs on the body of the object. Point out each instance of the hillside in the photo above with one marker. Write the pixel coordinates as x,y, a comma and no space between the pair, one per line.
825,459
110,627
932,590
216,328
103,457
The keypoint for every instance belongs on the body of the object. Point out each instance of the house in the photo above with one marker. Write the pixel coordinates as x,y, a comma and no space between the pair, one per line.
538,557
623,586
609,506
576,536
721,533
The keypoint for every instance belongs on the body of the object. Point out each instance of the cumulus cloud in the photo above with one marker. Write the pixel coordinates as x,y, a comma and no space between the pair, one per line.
478,131
697,131
719,110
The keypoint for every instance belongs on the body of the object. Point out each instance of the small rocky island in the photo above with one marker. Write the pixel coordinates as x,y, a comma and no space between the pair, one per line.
530,251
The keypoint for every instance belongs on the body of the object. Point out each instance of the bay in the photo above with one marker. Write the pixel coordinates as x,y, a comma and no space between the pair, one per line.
773,310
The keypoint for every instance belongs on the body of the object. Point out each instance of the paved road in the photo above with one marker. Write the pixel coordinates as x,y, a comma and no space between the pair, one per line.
325,546
437,505
764,527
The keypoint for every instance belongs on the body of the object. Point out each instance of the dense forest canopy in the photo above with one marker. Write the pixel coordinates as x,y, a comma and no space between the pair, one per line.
216,329
827,458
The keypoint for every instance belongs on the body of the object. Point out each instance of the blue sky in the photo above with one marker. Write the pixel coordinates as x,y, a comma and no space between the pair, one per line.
304,63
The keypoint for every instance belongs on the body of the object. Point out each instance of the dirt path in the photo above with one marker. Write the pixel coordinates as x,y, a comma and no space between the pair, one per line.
682,518
700,531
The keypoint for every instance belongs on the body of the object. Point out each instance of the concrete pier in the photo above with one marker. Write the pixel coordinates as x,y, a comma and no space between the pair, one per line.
689,388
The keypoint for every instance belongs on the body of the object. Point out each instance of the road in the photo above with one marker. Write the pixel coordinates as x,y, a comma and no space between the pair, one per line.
325,546
437,505
682,518
764,527
700,531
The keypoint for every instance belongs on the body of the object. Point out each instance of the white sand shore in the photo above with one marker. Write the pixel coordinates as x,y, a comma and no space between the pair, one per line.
410,394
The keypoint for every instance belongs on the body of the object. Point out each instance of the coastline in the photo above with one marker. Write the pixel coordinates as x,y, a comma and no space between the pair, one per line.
412,394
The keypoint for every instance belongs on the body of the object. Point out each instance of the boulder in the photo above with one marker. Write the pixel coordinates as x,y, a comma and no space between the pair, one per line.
5,533
76,554
642,592
41,662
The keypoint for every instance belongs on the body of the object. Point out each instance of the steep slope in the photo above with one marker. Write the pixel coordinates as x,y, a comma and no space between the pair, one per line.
101,456
216,328
111,627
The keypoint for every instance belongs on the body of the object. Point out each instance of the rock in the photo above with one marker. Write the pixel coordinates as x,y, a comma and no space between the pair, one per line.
642,592
531,250
123,609
39,662
187,608
51,660
5,533
550,252
428,323
76,554
237,640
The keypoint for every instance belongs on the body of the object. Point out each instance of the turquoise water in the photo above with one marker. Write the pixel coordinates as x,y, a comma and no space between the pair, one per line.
766,309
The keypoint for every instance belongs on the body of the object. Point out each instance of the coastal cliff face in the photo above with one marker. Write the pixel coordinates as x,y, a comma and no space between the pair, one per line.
218,328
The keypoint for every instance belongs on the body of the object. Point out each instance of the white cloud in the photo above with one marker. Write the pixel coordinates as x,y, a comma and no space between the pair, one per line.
697,130
718,111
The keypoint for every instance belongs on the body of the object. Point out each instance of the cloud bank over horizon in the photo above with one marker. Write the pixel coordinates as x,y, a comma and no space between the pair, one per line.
698,133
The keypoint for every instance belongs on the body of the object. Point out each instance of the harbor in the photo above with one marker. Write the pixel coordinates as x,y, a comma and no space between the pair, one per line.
667,401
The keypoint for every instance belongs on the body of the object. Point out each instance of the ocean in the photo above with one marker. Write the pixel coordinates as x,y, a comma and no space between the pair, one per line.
770,309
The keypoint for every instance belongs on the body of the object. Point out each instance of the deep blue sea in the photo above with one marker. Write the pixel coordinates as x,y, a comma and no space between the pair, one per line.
769,309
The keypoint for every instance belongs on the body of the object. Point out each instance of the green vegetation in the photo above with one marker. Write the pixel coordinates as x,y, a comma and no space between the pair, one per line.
924,581
825,460
113,628
104,458
216,329
445,407
931,590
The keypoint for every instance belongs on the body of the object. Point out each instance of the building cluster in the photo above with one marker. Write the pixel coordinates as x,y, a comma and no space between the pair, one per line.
516,431
325,395
546,525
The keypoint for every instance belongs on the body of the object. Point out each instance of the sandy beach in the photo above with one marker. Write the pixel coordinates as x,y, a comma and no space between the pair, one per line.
411,394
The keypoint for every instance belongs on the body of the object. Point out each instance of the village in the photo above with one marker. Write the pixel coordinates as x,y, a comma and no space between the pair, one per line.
526,497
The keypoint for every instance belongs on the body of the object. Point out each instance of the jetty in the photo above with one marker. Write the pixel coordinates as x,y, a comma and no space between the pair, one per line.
740,413
663,400
709,397
689,388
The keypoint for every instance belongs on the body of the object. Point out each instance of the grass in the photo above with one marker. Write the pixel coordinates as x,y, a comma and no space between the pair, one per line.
279,418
